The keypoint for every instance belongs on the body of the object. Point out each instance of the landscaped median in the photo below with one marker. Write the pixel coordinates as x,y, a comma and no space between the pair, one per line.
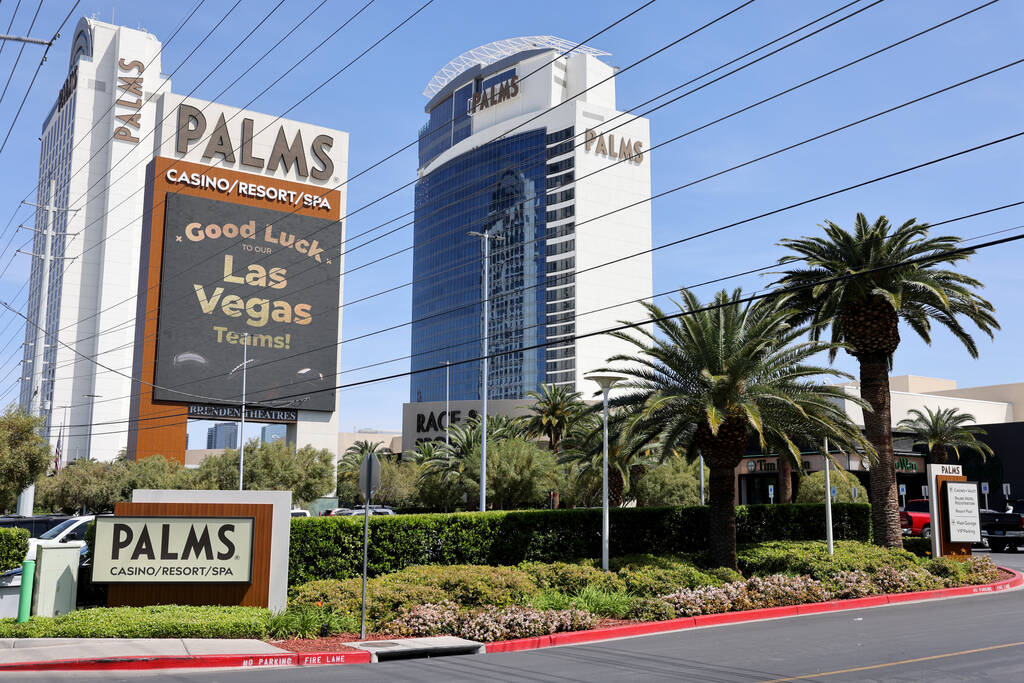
536,604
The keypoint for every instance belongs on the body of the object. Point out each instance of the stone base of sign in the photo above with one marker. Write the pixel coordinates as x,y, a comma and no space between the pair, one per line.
281,502
413,648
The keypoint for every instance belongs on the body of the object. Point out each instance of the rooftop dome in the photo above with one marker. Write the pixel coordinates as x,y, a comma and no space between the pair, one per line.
499,49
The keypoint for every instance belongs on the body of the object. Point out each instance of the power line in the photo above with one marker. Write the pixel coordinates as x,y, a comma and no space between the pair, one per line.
780,292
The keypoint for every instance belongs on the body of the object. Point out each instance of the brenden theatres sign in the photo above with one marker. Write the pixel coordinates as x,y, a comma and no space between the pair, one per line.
173,550
255,413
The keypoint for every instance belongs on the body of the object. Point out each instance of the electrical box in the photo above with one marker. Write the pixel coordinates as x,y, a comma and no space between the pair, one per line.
56,582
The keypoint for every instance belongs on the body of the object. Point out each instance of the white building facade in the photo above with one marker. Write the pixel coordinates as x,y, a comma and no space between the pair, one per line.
113,115
527,147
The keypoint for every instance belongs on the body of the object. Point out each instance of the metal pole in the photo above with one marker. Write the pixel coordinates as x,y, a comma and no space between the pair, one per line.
604,487
483,424
241,431
702,480
447,397
27,498
366,543
828,503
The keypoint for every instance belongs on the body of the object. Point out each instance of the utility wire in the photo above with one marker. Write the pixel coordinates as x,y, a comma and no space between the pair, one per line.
627,325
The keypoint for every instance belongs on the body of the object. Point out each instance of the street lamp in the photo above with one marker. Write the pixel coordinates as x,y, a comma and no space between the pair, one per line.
241,432
605,380
487,310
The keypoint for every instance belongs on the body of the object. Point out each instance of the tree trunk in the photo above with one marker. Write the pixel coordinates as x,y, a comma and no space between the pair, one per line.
722,523
785,480
616,487
874,388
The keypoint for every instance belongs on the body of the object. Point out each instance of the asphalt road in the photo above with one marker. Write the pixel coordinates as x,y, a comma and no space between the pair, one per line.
960,639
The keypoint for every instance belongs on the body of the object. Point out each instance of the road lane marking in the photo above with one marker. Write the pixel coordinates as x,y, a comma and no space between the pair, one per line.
899,663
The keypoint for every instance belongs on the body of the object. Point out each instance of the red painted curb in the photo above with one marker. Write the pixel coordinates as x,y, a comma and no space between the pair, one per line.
683,623
156,662
321,658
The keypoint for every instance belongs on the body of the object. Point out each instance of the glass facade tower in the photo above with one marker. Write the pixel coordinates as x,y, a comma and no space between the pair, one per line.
497,189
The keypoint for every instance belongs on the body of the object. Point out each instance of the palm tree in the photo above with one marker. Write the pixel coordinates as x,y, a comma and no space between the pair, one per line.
864,313
555,408
629,455
944,430
711,378
427,450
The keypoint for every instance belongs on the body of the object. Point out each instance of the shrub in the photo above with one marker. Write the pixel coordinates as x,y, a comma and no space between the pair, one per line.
464,585
486,624
922,547
331,547
725,574
846,585
490,624
428,620
650,609
650,576
571,578
812,558
893,580
812,488
603,604
981,570
953,572
755,593
310,621
13,548
159,621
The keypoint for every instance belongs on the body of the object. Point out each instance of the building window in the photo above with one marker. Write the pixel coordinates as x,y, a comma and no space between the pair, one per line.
559,135
559,181
562,230
560,166
561,247
560,294
560,149
563,196
565,279
561,264
559,214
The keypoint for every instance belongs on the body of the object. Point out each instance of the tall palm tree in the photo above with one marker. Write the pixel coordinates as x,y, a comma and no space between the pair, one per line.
711,379
945,430
864,313
555,408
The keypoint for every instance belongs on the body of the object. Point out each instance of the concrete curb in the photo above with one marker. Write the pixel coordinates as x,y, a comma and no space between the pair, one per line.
683,623
569,638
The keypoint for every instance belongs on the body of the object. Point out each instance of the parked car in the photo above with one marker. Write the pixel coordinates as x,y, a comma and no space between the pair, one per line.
71,529
300,513
999,529
36,524
916,520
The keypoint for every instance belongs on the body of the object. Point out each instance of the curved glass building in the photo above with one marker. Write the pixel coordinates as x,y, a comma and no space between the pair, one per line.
524,147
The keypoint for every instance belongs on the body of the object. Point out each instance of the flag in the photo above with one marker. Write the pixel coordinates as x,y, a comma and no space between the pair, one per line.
57,452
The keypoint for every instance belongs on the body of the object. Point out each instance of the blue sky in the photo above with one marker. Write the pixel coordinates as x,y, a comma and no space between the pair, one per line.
379,102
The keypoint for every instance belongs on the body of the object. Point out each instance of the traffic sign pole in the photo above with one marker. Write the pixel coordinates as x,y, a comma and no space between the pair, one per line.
828,503
369,480
984,491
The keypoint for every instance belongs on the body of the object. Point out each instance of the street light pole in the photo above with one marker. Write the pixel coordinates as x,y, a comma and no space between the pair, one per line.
487,314
241,431
447,407
828,503
606,381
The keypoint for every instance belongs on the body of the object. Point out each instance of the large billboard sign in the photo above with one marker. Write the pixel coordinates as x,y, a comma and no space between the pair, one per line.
237,275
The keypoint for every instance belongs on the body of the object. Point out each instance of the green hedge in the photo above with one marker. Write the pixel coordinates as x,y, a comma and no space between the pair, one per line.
13,548
161,621
331,547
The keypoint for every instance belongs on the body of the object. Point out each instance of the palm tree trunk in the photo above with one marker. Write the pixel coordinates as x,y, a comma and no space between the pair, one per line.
722,523
616,487
939,455
874,388
785,480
